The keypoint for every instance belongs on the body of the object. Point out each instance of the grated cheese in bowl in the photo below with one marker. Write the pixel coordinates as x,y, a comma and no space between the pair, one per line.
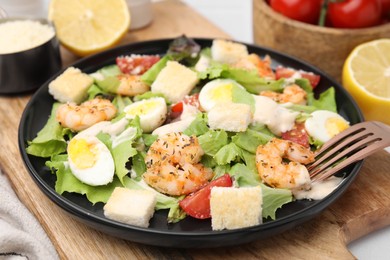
20,35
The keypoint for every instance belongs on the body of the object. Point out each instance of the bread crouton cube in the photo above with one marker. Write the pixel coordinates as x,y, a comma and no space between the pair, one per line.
233,208
175,81
133,207
228,51
234,117
70,86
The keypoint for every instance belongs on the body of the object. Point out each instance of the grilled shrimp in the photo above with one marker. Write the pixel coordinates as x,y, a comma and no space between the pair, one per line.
173,165
292,93
254,62
131,85
277,173
80,117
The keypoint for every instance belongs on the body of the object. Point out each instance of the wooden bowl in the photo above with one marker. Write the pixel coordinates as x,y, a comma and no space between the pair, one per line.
327,48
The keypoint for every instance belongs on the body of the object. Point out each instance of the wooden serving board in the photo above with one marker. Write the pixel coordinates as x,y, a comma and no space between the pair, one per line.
365,207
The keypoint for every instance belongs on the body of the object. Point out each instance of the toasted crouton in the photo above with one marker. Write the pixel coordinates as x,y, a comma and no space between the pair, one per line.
234,117
175,81
233,208
228,51
70,86
134,207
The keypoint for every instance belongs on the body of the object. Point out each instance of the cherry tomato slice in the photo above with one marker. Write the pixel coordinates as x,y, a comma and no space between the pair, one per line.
177,109
136,64
297,135
282,72
197,204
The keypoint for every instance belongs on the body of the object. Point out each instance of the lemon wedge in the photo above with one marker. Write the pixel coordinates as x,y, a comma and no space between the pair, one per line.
366,76
89,26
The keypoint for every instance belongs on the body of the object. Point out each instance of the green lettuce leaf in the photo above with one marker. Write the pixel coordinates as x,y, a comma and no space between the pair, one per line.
220,170
109,71
274,199
120,102
250,161
138,164
326,101
121,149
212,141
149,139
228,154
198,126
50,139
242,96
250,139
305,85
109,84
67,182
94,91
244,176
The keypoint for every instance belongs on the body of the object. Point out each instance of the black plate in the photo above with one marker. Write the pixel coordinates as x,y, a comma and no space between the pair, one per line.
189,232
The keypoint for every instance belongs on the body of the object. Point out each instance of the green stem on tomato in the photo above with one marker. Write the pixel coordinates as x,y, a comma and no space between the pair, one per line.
324,10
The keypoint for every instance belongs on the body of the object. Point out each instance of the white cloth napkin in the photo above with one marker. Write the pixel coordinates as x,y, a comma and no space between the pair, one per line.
21,236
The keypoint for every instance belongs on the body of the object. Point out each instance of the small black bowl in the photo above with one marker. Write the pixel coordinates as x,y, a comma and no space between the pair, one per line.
27,70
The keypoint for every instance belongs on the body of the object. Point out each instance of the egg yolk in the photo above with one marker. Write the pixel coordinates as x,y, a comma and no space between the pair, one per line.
222,93
82,153
142,109
335,125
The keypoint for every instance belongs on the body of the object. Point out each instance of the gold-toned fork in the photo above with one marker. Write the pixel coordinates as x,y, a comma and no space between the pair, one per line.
351,145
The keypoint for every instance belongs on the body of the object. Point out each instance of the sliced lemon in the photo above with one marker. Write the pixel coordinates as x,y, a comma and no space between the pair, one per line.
366,76
89,26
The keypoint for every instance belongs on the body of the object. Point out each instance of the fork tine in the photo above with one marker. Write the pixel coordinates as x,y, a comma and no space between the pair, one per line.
354,158
324,154
355,144
349,131
362,144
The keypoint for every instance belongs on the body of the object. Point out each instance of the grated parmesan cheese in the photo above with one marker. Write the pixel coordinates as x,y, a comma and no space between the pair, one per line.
22,35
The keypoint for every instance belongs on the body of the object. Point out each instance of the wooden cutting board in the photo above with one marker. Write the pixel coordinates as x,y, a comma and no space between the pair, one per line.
365,207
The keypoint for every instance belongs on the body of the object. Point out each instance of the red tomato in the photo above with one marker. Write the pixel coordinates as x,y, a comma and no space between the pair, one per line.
306,11
197,204
385,8
136,64
282,72
177,109
355,13
297,135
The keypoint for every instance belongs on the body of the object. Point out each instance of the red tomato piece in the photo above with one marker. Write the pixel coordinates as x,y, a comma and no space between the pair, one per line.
197,204
136,64
306,11
355,13
297,135
177,109
282,72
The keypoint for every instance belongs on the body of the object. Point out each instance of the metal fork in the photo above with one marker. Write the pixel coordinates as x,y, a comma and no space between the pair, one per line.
351,145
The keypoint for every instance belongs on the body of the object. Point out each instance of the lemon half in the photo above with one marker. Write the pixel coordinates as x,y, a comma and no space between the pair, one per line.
89,26
366,76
